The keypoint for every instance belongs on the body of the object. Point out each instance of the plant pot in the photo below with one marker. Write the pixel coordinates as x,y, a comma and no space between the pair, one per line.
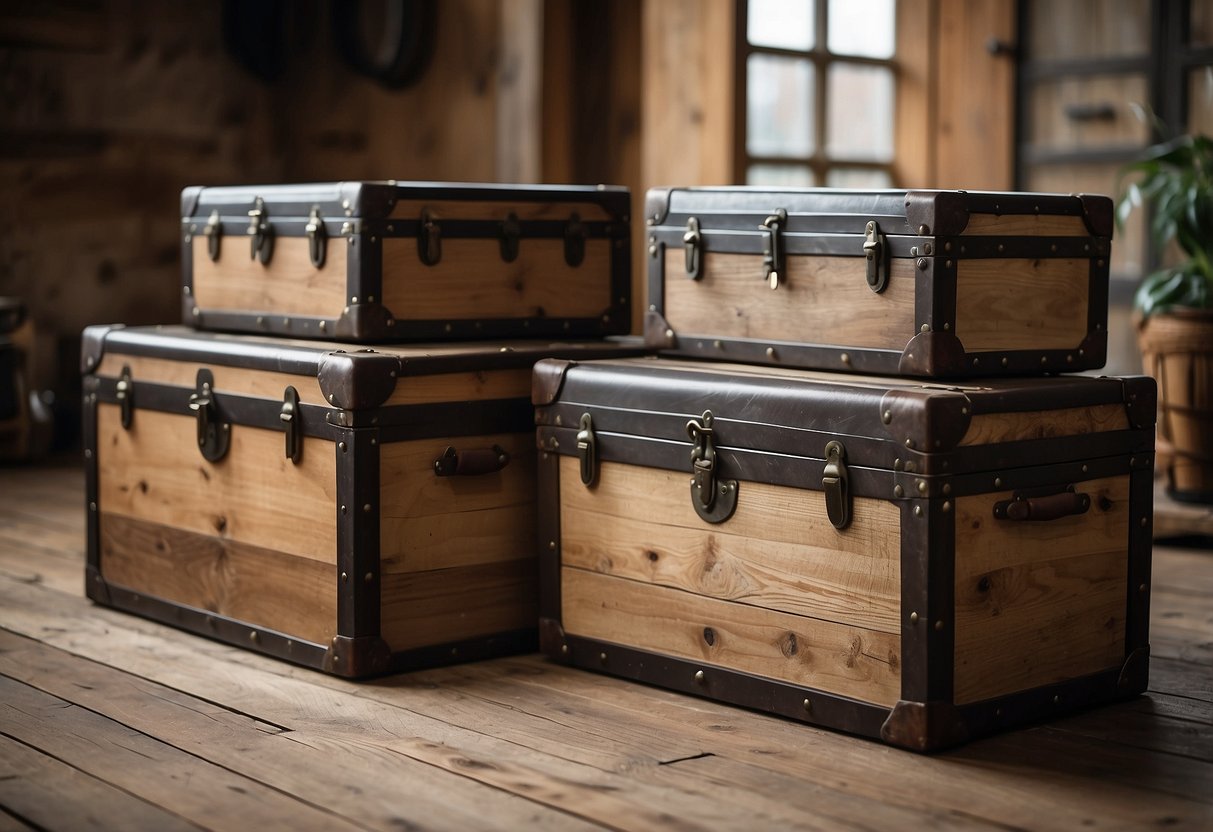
1177,350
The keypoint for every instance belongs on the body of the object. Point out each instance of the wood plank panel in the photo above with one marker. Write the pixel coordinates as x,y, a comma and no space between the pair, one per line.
991,428
423,608
447,209
850,661
1025,225
1039,602
254,495
605,531
288,285
474,385
823,300
151,770
292,595
430,522
472,282
1019,304
236,381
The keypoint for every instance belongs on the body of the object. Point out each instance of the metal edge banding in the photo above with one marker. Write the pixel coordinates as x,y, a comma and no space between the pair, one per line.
548,521
1140,543
656,281
505,643
786,354
729,686
748,240
617,318
1097,304
218,627
1074,472
915,597
466,229
189,308
358,507
940,521
92,506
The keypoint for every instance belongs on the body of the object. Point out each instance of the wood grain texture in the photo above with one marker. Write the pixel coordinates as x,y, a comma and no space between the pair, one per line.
288,285
235,381
254,495
292,595
779,551
1019,304
429,522
1038,602
474,385
849,661
823,300
423,608
472,282
991,428
1053,129
914,105
1025,225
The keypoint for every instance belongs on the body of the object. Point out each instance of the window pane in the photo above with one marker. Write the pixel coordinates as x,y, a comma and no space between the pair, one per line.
859,108
1200,100
780,175
858,178
1201,33
779,106
787,24
861,27
1088,28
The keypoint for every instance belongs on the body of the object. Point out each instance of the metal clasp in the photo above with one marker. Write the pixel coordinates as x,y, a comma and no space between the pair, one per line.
835,483
587,450
290,424
772,247
692,242
574,240
124,392
429,239
317,237
261,234
214,235
713,500
876,250
213,435
509,236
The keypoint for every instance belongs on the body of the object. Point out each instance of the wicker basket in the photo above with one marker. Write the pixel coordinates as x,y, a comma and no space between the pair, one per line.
1177,349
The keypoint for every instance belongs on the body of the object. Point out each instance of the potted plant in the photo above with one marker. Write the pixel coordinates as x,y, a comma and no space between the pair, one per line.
1174,307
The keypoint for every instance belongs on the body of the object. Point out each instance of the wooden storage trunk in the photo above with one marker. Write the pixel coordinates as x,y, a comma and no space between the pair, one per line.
395,261
917,563
918,283
359,512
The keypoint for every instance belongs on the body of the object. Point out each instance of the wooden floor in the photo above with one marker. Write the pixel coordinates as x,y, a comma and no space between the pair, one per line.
111,722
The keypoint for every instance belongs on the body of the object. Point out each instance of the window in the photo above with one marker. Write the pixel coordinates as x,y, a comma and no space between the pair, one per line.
816,92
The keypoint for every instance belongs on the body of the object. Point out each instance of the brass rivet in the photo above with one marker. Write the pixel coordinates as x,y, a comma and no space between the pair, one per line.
552,545
922,486
345,578
652,251
253,637
1044,359
1141,588
946,507
602,657
718,345
88,454
808,707
195,312
354,299
367,508
918,511
1056,699
887,416
947,264
1084,469
846,359
332,398
92,506
1004,361
1145,521
922,262
947,246
446,327
964,411
1082,352
909,443
947,489
669,333
564,648
343,509
770,352
1069,359
342,447
368,577
1001,247
699,677
927,248
923,230
898,491
998,712
946,327
925,328
652,307
913,618
938,626
323,326
998,482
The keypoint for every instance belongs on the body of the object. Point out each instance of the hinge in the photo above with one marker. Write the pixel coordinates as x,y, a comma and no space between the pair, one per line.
317,238
692,242
429,239
876,250
125,393
772,247
213,435
261,243
509,236
713,500
574,240
836,486
214,235
291,424
587,450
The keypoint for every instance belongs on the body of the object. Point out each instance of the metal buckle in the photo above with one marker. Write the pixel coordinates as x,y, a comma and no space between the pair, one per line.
574,240
125,393
214,235
713,500
876,250
509,234
261,244
772,247
291,424
213,435
692,241
317,237
835,484
429,239
587,450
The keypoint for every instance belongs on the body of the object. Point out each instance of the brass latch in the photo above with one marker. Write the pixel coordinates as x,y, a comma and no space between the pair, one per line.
713,500
772,247
587,450
317,238
213,435
574,240
836,485
692,242
429,239
290,424
214,235
261,234
876,250
510,233
125,393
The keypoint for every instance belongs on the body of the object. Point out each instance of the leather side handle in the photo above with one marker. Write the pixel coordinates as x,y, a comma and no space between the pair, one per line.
471,462
1052,507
